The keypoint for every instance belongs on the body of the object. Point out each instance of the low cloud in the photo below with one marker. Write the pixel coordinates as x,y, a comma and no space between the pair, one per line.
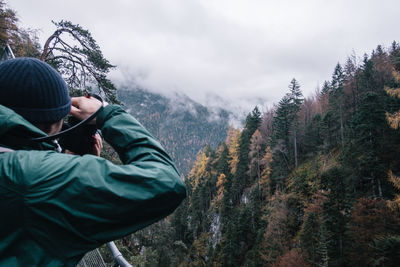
232,53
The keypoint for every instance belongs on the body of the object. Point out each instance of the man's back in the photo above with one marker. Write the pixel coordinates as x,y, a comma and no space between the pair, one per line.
56,206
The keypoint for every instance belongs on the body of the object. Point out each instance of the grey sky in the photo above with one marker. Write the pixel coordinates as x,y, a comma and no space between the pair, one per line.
244,52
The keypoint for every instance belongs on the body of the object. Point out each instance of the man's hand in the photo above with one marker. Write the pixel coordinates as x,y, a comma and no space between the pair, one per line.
98,145
82,107
96,149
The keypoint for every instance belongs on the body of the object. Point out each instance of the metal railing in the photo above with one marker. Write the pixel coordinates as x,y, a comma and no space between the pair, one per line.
119,260
94,258
7,53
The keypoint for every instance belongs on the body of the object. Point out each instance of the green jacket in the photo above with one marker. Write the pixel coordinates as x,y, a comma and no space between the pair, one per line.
56,207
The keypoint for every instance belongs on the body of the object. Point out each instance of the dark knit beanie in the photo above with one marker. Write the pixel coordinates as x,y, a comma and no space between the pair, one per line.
33,89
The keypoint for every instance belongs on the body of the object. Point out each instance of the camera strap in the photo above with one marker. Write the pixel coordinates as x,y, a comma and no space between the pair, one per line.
85,121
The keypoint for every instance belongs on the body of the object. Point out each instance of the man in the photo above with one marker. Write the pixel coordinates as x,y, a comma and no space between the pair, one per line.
55,207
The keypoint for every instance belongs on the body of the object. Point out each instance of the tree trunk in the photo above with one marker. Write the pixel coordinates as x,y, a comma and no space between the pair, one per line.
295,147
379,188
341,128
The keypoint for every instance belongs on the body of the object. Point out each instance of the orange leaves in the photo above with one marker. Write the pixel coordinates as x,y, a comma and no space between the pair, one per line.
293,257
220,185
394,119
232,141
276,237
199,171
370,219
266,173
394,122
394,204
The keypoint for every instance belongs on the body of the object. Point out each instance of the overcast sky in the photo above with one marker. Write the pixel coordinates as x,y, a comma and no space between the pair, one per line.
245,52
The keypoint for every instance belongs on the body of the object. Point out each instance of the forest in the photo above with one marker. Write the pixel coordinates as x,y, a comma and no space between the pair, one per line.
182,126
313,181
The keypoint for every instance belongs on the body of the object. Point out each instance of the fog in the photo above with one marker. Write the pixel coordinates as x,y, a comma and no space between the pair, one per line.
234,54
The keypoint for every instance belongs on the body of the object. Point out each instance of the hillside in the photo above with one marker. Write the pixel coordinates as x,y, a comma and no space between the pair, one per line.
181,125
314,182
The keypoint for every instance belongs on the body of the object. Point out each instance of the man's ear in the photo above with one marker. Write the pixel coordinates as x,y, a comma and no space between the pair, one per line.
50,128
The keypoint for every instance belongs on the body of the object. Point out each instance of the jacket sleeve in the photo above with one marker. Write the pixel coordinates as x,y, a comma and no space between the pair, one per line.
76,203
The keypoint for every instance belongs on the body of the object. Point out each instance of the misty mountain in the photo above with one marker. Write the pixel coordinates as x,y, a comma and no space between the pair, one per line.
182,125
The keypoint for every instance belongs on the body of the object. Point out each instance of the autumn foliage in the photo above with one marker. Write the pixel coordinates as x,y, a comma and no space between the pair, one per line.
313,181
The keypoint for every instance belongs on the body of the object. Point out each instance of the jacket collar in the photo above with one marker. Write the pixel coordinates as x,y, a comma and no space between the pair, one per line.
16,132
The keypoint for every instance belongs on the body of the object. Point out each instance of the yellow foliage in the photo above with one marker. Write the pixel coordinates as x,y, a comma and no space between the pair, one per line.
393,119
275,240
232,141
394,122
199,169
255,144
220,185
395,203
265,175
393,92
328,161
396,75
395,180
201,245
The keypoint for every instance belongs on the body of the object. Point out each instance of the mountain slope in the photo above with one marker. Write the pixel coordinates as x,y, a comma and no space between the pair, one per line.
181,125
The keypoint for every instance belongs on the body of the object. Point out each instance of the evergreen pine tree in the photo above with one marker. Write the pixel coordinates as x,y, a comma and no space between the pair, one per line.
240,178
313,136
309,237
364,153
75,53
395,55
296,99
281,125
336,101
222,165
284,140
334,220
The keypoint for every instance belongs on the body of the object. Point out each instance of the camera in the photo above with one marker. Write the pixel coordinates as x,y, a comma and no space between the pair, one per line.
76,136
80,141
